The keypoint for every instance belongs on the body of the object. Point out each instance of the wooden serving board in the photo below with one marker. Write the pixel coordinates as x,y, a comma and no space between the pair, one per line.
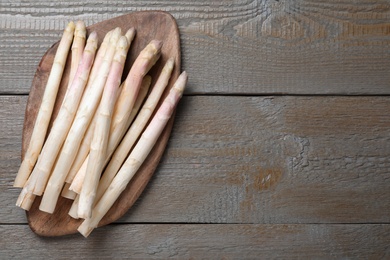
149,25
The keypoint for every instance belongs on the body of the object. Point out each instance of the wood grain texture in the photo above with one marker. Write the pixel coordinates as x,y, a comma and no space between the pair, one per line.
175,241
11,125
249,47
276,160
149,26
254,160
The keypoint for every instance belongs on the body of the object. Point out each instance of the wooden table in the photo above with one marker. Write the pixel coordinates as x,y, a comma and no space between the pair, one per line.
281,145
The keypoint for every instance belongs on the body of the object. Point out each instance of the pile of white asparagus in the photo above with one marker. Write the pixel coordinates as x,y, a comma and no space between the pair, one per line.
103,131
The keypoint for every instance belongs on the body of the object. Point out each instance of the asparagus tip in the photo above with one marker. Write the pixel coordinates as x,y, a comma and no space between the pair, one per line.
157,44
170,63
181,82
107,36
122,44
115,35
93,35
130,34
117,30
70,26
80,24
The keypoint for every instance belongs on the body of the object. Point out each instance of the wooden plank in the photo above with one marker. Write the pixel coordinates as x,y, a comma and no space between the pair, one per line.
11,126
253,160
181,241
250,47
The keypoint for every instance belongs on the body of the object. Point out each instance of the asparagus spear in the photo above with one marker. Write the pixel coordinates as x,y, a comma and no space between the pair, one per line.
136,157
73,209
102,128
130,35
28,200
77,183
82,152
26,197
84,147
99,58
78,46
135,130
46,108
66,193
65,118
78,180
144,62
85,111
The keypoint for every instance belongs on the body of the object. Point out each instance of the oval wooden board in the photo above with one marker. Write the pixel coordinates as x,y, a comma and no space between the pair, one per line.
149,25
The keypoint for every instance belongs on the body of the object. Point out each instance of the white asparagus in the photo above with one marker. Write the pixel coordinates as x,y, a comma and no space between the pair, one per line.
99,58
78,45
73,209
144,62
66,193
84,147
142,93
78,180
140,99
61,128
130,35
28,200
82,152
88,105
46,108
96,66
26,197
136,157
135,130
102,130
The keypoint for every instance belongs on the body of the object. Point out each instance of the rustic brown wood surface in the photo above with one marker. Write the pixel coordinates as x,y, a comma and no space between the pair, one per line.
258,165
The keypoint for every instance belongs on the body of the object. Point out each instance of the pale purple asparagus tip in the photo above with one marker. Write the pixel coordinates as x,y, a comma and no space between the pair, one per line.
157,44
80,23
93,35
132,30
182,78
122,42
